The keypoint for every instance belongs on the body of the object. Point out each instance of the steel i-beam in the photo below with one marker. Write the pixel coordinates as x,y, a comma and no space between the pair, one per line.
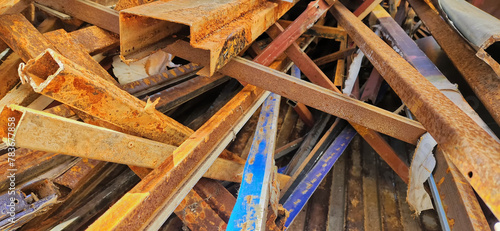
250,210
219,30
456,133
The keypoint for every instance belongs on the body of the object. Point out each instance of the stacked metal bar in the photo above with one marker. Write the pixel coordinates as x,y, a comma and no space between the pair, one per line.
248,115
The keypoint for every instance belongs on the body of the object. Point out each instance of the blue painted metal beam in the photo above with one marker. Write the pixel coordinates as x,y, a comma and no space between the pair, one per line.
249,212
310,183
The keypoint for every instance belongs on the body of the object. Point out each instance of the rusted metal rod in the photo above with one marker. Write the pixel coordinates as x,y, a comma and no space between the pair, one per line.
456,133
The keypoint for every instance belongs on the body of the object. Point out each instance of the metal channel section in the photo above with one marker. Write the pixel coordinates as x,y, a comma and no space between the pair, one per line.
250,210
220,30
310,183
456,133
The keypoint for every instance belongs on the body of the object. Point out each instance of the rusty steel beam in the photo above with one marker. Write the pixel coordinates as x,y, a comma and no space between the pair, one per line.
480,77
197,214
87,11
160,192
225,29
338,80
97,97
325,100
365,8
456,133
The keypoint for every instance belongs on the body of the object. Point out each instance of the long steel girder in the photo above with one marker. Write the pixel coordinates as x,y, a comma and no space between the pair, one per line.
325,100
456,133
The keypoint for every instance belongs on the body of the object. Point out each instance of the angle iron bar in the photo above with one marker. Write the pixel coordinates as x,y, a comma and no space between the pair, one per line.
456,133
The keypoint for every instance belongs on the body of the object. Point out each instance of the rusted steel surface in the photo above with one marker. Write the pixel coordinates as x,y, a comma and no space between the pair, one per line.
342,54
480,77
41,131
327,32
87,11
223,28
325,100
72,49
125,4
161,191
97,97
458,199
74,176
22,37
285,39
456,133
338,80
185,91
95,40
197,214
8,73
216,196
152,83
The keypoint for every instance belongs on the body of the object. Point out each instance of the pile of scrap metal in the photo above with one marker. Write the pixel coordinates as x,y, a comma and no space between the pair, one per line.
214,115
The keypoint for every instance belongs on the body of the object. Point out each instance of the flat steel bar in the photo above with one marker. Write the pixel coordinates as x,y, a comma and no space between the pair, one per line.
97,97
161,191
365,8
87,11
327,32
339,77
95,40
456,133
310,183
480,77
216,195
250,210
325,100
197,214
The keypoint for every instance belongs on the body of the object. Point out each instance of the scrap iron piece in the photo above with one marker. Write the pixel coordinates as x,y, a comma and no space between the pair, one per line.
250,210
454,131
220,30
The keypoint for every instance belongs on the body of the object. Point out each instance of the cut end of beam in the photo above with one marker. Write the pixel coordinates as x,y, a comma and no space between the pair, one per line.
40,71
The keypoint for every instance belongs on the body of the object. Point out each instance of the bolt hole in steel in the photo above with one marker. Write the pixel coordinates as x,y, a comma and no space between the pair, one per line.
470,174
16,201
130,145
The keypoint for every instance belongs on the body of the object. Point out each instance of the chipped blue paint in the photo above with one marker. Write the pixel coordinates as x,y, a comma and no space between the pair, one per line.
253,197
310,183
